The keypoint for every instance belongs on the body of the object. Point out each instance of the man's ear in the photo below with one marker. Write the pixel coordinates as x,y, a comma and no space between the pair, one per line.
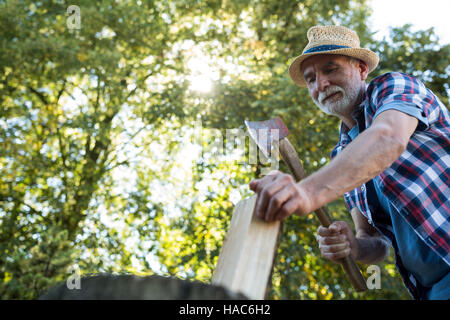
363,70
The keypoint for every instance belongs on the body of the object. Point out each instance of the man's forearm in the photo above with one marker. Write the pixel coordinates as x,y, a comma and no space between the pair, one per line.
368,155
371,249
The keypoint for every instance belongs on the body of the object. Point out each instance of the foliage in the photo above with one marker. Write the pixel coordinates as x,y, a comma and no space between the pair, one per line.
419,54
100,166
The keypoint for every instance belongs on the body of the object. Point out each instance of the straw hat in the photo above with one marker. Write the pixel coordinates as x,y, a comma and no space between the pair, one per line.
331,40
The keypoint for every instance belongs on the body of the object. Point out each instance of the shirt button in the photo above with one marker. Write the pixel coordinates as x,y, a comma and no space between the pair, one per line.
363,187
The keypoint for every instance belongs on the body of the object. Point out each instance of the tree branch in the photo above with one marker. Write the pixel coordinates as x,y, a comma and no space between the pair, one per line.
60,92
39,94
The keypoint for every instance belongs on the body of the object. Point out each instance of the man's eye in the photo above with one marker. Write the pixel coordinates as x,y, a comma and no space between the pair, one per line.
331,70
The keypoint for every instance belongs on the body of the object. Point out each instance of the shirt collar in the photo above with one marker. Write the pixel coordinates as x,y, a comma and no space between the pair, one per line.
357,112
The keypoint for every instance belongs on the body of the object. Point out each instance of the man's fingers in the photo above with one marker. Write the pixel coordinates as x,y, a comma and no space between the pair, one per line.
335,227
327,232
274,191
337,255
336,251
332,239
264,197
259,184
333,248
337,241
287,208
276,202
266,189
255,183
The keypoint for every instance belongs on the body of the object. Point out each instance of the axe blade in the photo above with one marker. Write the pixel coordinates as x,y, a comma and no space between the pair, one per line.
261,132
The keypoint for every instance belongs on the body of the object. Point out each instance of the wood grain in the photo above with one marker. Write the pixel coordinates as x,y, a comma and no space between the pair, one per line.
246,259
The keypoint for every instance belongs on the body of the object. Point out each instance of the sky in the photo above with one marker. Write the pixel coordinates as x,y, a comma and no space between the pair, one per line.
421,14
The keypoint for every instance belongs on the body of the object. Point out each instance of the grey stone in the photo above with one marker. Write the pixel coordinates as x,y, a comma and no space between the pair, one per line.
130,287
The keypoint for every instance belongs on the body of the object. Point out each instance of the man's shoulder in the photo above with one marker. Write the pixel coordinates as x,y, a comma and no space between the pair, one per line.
392,78
394,83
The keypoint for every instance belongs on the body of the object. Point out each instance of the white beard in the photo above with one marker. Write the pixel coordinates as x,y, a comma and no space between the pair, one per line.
342,105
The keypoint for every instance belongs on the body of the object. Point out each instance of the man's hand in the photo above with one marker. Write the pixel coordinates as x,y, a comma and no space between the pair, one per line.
337,241
279,197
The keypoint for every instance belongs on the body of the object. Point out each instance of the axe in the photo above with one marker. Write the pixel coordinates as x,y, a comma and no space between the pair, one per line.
261,132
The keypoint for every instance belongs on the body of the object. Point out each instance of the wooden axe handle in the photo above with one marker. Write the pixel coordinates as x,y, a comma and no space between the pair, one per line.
290,157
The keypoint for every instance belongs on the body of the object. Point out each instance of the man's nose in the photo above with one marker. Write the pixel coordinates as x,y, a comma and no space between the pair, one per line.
322,82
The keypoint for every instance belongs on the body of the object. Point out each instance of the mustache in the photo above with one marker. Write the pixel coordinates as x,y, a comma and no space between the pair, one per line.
328,92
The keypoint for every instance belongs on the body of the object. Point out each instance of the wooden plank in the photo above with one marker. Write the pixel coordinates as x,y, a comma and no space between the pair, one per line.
246,259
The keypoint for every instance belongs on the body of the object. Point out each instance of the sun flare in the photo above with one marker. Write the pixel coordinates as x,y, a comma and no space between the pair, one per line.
201,75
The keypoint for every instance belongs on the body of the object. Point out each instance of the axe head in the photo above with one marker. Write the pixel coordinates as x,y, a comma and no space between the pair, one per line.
264,132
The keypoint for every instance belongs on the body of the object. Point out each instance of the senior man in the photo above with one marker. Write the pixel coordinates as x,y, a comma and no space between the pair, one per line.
391,164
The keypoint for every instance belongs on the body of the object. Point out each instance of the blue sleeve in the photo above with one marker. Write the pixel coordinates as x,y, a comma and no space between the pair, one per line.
408,108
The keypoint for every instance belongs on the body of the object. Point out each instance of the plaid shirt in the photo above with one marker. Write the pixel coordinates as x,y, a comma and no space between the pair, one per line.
417,183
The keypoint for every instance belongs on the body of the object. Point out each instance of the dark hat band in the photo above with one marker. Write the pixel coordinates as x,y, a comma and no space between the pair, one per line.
325,48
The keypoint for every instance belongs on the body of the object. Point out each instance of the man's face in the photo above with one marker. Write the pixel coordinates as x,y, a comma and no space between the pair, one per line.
334,83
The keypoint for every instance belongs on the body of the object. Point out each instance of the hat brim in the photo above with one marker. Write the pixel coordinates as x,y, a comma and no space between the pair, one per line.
369,57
